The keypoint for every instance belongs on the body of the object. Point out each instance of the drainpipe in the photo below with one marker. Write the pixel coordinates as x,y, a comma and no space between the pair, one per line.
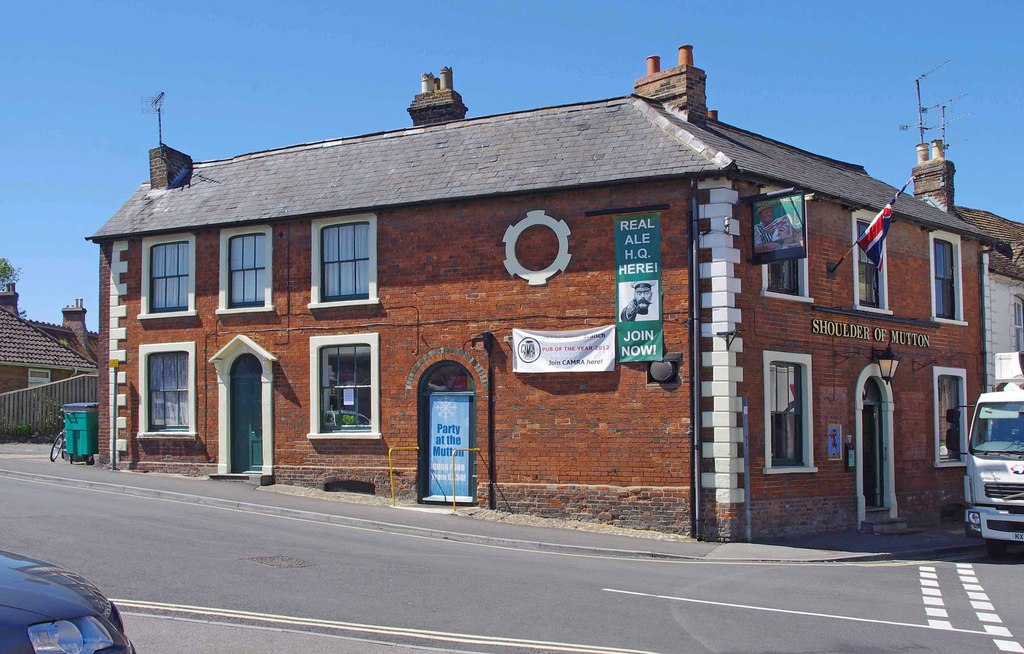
691,239
982,270
487,340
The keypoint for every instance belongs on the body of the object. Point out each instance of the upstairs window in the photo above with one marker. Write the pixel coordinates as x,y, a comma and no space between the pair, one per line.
945,280
247,272
784,277
169,277
1018,324
869,277
344,261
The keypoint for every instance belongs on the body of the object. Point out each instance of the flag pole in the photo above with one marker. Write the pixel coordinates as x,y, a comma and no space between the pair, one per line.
832,267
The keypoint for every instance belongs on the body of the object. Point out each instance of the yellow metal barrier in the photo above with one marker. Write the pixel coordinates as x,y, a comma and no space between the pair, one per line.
454,450
391,469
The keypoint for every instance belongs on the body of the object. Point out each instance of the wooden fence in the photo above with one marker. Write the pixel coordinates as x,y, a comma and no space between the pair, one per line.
36,410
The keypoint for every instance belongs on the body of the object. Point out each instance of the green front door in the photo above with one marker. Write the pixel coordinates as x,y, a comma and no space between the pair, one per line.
246,415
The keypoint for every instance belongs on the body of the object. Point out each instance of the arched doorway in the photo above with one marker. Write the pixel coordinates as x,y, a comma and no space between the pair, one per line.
246,415
874,453
447,428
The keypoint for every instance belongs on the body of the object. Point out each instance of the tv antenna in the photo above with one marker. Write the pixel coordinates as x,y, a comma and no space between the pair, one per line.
921,109
155,105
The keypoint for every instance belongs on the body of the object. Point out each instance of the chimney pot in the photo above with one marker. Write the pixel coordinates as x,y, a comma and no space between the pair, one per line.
922,153
437,102
937,149
446,78
686,55
713,114
426,86
653,64
9,298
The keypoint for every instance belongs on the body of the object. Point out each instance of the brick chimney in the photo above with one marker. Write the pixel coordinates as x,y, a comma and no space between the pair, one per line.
437,101
9,299
933,177
74,319
681,88
169,168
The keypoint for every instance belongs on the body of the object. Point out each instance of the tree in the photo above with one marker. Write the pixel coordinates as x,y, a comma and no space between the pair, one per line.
9,273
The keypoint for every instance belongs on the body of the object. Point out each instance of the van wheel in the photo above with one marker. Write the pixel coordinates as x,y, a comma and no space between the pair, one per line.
995,547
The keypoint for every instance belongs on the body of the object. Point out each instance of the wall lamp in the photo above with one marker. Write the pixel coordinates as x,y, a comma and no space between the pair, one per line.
887,361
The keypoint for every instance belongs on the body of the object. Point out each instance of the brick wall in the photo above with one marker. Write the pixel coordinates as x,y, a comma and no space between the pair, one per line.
15,378
606,443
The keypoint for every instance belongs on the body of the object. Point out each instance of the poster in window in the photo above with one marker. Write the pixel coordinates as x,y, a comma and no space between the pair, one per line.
780,228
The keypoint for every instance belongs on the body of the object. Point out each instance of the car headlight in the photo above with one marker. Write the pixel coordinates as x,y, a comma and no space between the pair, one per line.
79,636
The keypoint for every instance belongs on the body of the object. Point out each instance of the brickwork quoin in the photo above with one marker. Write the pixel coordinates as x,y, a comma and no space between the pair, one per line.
593,446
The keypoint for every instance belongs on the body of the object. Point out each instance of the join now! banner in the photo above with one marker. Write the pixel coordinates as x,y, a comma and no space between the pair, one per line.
638,279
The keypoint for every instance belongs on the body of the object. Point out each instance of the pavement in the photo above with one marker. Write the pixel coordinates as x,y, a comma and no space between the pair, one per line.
30,462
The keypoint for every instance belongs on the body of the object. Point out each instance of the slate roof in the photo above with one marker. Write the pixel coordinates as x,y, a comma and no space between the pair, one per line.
599,142
20,342
1004,230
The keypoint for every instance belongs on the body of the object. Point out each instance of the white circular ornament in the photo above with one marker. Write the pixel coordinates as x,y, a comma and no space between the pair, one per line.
512,234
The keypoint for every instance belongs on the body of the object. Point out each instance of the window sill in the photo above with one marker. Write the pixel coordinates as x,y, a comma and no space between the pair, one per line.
790,470
167,435
949,321
342,436
343,303
228,312
950,464
168,314
880,311
786,296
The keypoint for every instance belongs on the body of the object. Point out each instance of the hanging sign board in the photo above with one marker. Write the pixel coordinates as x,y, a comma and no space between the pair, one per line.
580,350
450,417
780,228
638,281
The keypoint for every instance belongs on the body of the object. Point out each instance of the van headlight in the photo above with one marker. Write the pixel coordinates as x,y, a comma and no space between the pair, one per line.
974,521
79,636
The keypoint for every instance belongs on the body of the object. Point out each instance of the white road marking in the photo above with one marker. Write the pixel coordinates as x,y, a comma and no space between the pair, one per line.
423,634
934,592
978,596
935,613
986,611
811,614
933,601
931,583
974,587
928,575
998,631
1009,646
990,617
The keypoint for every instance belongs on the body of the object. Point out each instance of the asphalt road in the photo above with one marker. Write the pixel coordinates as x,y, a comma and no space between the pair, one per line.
198,578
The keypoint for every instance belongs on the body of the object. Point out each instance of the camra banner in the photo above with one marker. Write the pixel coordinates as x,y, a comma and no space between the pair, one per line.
580,350
638,278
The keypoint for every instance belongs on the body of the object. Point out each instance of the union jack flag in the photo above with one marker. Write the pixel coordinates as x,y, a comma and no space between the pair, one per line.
873,238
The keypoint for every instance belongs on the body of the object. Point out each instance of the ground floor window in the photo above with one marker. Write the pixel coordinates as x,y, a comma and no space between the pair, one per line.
38,377
950,415
167,389
345,386
787,412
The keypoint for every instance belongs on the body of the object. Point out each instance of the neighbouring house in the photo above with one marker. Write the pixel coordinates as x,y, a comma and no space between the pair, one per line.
29,354
625,310
1003,295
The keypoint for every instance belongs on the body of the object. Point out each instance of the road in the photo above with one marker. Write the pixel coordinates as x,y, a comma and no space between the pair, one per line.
200,578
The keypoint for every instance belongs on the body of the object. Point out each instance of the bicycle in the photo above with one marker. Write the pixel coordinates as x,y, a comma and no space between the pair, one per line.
60,447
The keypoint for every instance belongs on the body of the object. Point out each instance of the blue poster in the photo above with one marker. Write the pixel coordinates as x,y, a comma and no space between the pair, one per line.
449,432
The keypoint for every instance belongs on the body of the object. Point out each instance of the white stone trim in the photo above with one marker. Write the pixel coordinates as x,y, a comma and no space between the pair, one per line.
954,239
316,227
147,245
889,469
226,235
315,344
804,361
117,337
189,347
223,361
864,215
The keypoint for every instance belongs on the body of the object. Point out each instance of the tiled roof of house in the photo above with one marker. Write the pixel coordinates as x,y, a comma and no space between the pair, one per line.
21,342
557,147
1004,230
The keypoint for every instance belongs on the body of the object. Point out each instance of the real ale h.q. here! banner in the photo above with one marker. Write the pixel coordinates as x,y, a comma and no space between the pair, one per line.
638,279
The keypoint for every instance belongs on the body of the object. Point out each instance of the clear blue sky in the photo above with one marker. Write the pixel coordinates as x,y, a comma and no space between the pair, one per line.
836,78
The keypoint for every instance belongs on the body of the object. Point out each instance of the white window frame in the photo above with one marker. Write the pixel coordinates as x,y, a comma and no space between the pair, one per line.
39,380
1017,323
315,345
804,361
940,421
189,347
147,245
224,301
864,215
954,239
803,294
317,227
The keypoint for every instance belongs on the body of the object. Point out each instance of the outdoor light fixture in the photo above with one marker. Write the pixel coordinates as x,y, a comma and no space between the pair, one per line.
887,361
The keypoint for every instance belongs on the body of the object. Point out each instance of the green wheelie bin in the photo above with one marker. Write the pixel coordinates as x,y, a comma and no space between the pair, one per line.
81,431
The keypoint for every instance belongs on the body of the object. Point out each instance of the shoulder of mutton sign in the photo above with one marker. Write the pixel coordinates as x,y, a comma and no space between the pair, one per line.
512,234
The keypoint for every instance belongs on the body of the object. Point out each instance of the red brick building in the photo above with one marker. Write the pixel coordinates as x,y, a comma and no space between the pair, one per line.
308,313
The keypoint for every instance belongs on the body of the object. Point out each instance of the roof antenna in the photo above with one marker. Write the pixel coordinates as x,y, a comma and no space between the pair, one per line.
155,105
921,109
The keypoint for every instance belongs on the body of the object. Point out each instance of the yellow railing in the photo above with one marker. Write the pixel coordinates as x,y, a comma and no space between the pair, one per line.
391,469
454,450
